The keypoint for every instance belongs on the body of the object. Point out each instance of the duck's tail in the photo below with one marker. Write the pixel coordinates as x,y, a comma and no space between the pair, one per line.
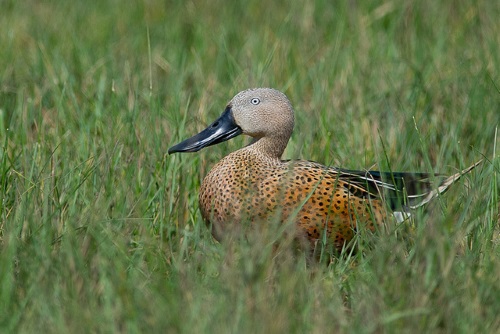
403,191
418,200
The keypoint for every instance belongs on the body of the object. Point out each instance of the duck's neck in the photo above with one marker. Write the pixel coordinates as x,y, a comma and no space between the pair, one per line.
269,146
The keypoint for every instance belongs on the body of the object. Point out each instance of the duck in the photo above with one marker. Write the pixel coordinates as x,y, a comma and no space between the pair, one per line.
254,185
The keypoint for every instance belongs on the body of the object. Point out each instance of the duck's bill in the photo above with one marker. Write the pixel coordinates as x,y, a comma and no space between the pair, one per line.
224,128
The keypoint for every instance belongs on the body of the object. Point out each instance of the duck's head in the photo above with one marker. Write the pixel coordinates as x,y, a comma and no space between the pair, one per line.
259,113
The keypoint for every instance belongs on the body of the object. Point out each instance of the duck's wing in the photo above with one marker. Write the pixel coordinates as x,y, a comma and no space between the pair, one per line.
399,189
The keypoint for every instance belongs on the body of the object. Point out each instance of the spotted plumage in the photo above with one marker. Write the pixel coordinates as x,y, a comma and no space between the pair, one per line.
254,185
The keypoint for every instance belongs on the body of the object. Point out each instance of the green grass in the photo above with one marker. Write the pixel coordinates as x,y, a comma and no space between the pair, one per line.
100,229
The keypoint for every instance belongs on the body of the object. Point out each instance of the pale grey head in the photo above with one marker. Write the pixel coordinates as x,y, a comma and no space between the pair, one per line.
265,114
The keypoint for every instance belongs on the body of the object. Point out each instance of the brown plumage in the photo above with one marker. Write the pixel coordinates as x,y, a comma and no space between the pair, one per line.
253,184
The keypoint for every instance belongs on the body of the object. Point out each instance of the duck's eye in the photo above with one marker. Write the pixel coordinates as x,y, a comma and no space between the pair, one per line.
255,101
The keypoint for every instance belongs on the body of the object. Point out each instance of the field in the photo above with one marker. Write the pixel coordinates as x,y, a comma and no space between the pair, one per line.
100,229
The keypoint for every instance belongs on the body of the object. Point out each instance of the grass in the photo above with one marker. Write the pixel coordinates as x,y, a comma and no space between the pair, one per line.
100,229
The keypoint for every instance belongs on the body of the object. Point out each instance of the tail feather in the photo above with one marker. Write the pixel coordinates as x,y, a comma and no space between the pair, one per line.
442,187
403,190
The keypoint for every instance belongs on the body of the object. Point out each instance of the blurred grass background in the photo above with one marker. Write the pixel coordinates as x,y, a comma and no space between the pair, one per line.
100,230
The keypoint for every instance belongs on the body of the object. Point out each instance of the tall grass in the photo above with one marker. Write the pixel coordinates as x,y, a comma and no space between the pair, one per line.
100,230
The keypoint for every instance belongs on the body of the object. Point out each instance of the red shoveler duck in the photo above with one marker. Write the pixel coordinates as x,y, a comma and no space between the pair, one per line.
254,185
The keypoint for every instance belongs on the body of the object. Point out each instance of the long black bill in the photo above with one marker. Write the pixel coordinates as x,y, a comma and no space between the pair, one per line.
224,128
